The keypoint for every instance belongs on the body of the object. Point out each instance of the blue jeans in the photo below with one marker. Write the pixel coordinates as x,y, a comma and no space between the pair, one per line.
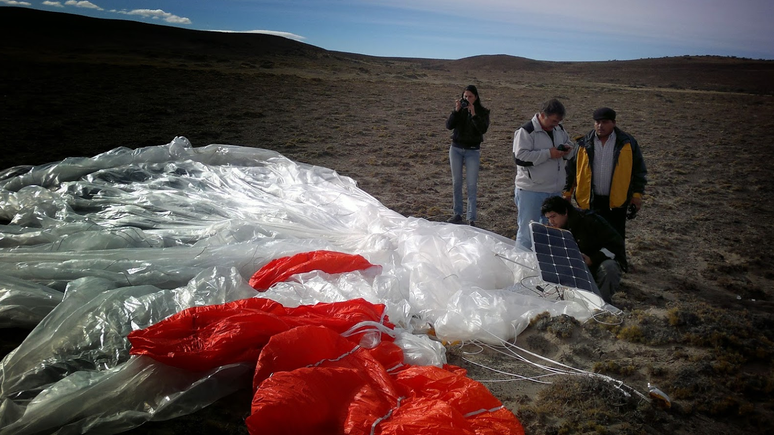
471,159
528,209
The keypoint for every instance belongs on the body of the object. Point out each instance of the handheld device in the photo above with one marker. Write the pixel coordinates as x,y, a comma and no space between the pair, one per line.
631,212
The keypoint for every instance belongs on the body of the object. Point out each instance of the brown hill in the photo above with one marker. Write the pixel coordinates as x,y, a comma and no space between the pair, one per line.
42,32
57,31
698,316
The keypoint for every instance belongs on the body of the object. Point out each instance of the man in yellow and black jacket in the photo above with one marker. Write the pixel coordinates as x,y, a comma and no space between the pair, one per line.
608,173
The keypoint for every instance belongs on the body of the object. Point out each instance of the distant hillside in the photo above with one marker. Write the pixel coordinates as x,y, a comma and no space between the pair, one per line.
34,29
707,73
33,34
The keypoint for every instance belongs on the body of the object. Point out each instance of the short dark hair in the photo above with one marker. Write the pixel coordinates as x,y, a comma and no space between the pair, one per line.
553,107
556,204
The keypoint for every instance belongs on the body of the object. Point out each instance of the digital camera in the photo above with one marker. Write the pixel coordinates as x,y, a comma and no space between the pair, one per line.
463,103
562,148
631,212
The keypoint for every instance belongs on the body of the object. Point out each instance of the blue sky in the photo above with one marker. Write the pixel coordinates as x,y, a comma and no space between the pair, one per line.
558,30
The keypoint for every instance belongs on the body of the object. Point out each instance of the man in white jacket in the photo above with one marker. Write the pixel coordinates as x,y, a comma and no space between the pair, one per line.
541,148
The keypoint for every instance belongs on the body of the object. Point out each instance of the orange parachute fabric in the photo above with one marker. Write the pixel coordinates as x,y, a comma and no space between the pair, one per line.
311,379
281,269
206,337
336,386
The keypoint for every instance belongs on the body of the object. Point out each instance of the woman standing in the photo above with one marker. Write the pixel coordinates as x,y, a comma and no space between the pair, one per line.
469,120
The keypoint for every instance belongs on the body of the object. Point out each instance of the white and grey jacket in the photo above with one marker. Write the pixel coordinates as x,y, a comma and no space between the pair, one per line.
536,171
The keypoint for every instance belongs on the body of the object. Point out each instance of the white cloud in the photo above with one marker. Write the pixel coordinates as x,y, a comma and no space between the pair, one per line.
287,35
15,3
157,14
55,4
83,4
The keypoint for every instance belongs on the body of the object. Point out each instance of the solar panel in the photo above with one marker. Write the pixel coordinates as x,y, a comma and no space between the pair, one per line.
559,259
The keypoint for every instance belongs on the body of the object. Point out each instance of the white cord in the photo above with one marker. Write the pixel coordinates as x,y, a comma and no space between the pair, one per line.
516,352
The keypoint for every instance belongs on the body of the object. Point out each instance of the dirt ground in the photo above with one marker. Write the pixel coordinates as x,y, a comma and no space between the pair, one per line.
698,320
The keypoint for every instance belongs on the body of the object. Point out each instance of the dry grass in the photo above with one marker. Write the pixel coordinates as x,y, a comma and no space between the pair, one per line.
698,317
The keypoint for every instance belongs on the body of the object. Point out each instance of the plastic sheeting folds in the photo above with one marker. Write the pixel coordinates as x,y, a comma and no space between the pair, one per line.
92,249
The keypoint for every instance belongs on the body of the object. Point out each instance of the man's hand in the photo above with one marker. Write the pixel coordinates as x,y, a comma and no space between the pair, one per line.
556,153
637,201
586,259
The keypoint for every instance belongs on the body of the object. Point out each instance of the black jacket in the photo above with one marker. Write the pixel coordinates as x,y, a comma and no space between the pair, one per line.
468,130
593,233
629,173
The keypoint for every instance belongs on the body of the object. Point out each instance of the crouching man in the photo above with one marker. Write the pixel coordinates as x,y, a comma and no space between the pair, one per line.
600,244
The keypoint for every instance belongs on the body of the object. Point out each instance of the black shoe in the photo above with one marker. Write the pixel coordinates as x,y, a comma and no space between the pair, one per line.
457,219
472,223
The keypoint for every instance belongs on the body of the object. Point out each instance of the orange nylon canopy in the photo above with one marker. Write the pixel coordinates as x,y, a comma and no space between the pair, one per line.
205,337
339,387
281,269
311,379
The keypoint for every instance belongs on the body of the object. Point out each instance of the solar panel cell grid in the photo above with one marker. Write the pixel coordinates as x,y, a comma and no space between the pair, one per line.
559,259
